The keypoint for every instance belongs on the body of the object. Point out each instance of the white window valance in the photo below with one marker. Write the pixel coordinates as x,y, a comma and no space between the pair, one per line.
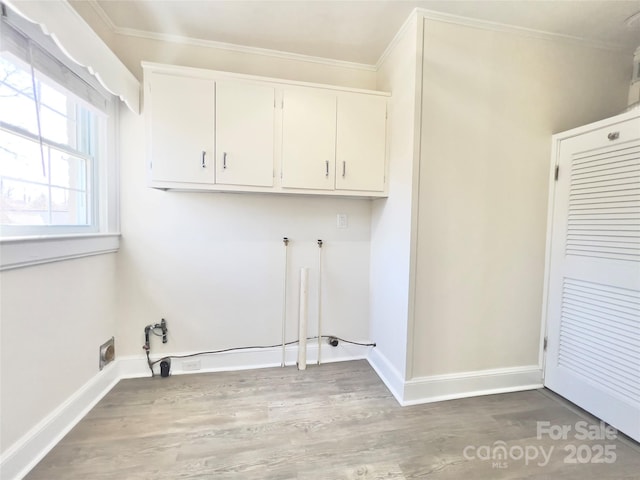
81,44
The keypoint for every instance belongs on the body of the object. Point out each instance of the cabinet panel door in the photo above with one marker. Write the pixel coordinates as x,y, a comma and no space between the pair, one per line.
360,148
308,139
181,116
244,134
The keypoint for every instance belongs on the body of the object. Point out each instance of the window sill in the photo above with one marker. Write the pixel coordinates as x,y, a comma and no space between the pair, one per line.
22,252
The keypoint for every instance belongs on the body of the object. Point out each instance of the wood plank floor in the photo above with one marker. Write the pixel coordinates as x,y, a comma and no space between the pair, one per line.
334,422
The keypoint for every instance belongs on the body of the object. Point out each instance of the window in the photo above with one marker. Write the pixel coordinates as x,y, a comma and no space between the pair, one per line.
57,128
47,152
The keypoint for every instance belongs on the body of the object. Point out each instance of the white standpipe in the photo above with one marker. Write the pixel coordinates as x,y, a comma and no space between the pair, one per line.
285,240
319,301
302,325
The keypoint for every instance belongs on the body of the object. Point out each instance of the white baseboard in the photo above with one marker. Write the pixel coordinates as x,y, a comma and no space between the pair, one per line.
458,385
25,454
387,373
135,366
471,384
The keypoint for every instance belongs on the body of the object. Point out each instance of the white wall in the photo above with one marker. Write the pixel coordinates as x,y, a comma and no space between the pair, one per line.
212,264
490,104
391,217
54,317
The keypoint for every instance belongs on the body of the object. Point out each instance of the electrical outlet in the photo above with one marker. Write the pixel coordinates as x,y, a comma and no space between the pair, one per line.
342,220
191,365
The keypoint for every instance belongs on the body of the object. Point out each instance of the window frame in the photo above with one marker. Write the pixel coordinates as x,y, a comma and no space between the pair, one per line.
25,245
92,163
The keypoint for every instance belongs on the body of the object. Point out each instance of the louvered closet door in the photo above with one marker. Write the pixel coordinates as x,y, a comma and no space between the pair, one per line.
593,316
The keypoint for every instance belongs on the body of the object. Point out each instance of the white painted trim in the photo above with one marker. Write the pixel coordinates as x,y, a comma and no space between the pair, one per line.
471,384
102,14
232,47
632,20
389,375
135,366
23,455
413,16
82,45
417,12
425,14
438,388
516,30
547,259
22,252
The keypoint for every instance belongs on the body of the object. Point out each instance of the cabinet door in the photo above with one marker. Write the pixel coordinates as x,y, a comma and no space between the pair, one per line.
244,134
361,142
308,139
181,116
593,292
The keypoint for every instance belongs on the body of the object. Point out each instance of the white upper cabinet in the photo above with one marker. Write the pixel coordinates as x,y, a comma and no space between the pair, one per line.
218,131
180,113
244,134
308,139
361,142
333,141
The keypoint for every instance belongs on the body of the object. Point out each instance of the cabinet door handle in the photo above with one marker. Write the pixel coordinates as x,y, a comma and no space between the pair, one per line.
224,161
204,159
344,169
326,168
613,136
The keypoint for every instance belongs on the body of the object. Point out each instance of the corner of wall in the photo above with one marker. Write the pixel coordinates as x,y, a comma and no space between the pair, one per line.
25,454
389,375
415,188
437,388
33,446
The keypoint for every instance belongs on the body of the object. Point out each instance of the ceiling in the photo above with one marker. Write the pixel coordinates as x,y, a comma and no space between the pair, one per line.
359,30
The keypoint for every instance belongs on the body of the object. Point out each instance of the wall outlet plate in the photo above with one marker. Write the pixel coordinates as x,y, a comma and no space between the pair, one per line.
107,352
191,365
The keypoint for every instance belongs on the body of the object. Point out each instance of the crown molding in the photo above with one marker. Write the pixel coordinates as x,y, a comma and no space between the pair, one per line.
516,30
102,14
425,14
633,20
165,37
416,13
232,47
394,42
